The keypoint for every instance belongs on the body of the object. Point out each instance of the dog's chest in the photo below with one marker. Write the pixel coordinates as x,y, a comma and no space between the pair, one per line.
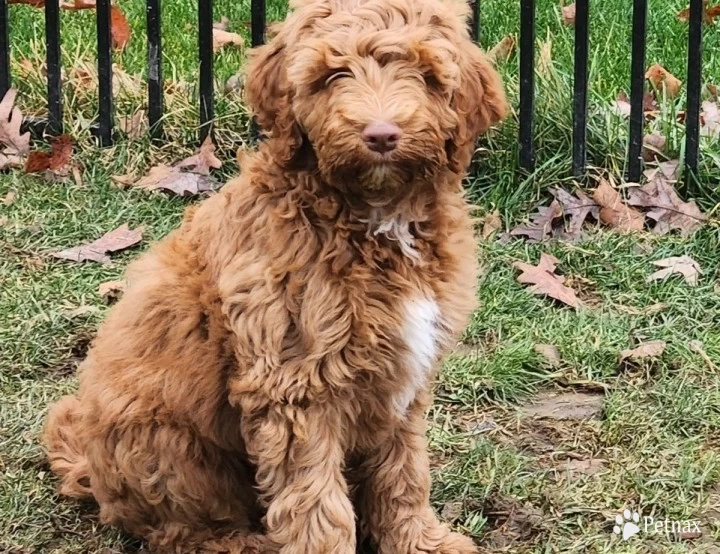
421,333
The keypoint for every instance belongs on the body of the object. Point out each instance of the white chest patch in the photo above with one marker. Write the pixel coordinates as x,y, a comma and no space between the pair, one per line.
421,333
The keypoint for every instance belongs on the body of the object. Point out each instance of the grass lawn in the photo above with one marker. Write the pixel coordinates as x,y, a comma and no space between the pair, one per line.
648,434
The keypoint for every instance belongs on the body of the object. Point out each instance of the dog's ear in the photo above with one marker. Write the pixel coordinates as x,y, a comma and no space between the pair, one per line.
269,94
479,103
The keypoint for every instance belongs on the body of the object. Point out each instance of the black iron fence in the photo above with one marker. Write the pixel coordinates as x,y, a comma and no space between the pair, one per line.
526,159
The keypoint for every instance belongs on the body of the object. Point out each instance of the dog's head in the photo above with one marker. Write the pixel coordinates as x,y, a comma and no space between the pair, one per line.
386,92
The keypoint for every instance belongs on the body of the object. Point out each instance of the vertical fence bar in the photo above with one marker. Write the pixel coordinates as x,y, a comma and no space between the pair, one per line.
155,73
692,125
637,90
475,21
527,83
580,85
207,106
257,22
52,40
4,48
105,98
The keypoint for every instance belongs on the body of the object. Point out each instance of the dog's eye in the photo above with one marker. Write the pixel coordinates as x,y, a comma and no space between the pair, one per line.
337,74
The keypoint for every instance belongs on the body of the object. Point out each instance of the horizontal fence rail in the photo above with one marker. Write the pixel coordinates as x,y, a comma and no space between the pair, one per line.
53,125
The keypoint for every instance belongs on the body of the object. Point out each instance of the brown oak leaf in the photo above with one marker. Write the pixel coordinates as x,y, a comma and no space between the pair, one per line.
544,280
710,118
665,207
621,105
111,291
651,349
659,77
223,24
541,223
568,14
56,161
613,212
578,207
709,13
13,144
134,126
491,224
222,38
97,251
653,145
550,352
119,28
172,179
502,51
202,160
683,265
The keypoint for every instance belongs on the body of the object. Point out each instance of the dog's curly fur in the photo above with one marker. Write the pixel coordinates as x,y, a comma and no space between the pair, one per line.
263,381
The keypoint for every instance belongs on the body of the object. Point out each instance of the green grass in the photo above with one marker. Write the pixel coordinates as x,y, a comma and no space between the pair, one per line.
495,179
657,433
498,475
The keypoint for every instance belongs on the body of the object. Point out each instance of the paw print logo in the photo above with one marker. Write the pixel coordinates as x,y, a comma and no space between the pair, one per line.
627,524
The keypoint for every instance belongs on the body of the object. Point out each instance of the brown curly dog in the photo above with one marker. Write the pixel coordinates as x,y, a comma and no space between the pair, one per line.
261,387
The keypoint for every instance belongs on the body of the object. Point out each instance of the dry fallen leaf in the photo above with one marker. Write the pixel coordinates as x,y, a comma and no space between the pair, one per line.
119,239
613,212
651,349
133,126
684,265
578,207
111,291
221,39
451,511
665,206
660,76
709,13
584,467
545,59
544,280
502,51
653,145
119,28
172,179
235,83
710,117
621,105
79,5
123,181
541,223
568,405
568,14
222,25
550,352
13,144
9,199
61,148
202,160
491,224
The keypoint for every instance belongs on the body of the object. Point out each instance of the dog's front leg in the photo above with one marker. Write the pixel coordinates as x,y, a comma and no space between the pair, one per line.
300,456
395,496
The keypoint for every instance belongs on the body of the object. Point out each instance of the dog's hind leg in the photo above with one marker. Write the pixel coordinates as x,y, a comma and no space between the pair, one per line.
66,448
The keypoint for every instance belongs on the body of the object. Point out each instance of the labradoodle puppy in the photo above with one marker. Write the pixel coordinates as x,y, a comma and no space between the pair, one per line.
261,386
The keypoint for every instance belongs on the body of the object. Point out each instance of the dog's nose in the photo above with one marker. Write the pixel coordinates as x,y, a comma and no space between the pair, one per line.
381,136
